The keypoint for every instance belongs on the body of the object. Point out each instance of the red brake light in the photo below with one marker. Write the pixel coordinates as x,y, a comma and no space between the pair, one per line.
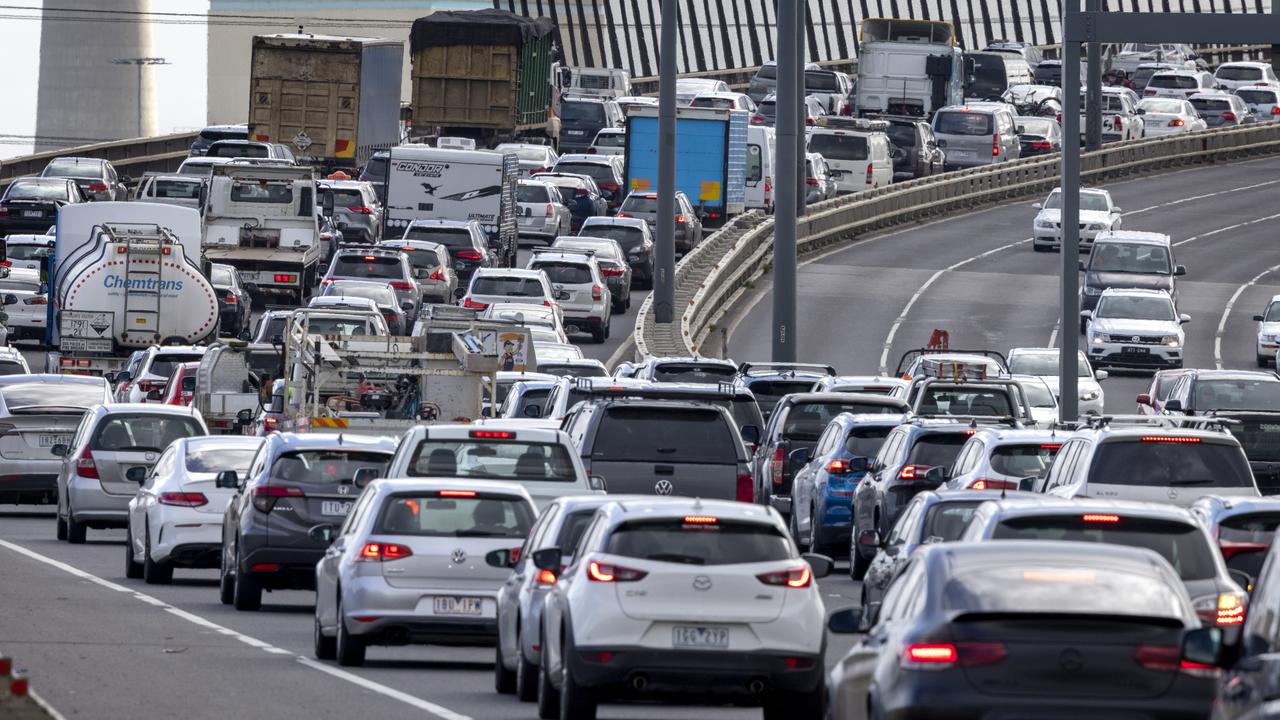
438,273
912,472
811,181
184,499
989,484
231,299
798,577
1119,122
382,552
98,187
266,496
1228,115
361,210
493,434
270,424
546,577
1231,549
839,467
1041,145
609,186
870,178
612,271
930,655
1158,657
85,466
468,254
1275,109
995,146
458,493
700,520
1169,439
1177,122
401,285
596,292
745,492
469,303
1100,518
606,573
1051,446
757,119
287,278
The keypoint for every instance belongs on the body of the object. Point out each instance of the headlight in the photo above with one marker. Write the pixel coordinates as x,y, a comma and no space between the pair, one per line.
1089,395
1097,226
1091,290
1044,224
1100,338
1172,341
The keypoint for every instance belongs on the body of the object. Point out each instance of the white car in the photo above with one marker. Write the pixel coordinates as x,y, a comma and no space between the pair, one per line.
1043,402
676,594
175,520
999,458
409,566
1098,213
526,314
13,362
580,289
28,314
1268,335
1170,116
1234,75
28,252
154,370
533,158
542,215
557,351
496,285
1133,328
1043,363
1179,84
609,141
1263,101
689,88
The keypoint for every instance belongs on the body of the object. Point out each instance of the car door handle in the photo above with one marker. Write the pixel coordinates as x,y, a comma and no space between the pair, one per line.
664,470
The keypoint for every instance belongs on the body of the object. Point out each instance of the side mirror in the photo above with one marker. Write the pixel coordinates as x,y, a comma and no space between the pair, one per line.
110,377
798,457
846,622
870,538
750,434
1087,314
1180,270
1027,484
59,450
597,483
1038,206
154,395
935,475
10,299
1258,318
505,558
123,376
228,479
1184,318
126,180
821,565
364,476
1144,399
245,416
1203,646
532,411
1100,375
321,533
136,474
1117,209
1173,405
547,559
1243,579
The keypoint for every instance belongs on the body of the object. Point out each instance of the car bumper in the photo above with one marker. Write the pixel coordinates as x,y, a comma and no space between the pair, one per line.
436,291
539,227
278,568
395,616
581,323
1115,355
946,695
36,486
91,504
26,226
193,540
699,673
1052,237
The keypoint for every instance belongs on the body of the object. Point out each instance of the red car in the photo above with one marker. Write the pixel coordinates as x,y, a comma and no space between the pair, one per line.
181,387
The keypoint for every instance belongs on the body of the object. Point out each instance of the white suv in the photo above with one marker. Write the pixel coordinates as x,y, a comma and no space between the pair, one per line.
580,288
1135,328
505,285
679,594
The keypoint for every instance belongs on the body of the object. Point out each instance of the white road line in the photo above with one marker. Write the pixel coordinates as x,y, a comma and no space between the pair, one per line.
428,707
1194,198
1053,336
1222,322
1225,229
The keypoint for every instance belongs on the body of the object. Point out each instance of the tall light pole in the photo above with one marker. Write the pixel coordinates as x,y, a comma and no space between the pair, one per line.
138,62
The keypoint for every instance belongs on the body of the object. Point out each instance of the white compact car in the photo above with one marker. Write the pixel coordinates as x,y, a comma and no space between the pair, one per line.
701,600
409,565
1098,213
1043,363
175,520
1268,336
495,285
542,215
999,459
1170,116
580,289
1133,328
28,314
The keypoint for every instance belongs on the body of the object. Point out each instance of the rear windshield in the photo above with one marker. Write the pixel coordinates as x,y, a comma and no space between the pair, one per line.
767,72
368,266
376,169
947,521
1183,545
1256,528
626,236
1183,82
380,294
866,441
213,460
176,189
839,147
566,273
429,515
599,172
770,391
936,449
221,275
163,365
572,370
820,82
806,421
666,435
319,325
54,190
724,542
325,467
11,367
449,237
1207,105
32,286
902,135
1043,587
532,194
510,459
1036,127
507,286
215,135
1024,460
1228,72
27,252
1044,364
693,373
239,150
1191,465
421,259
610,140
73,169
1257,97
347,199
640,204
962,123
966,401
143,432
721,103
38,397
1251,394
585,113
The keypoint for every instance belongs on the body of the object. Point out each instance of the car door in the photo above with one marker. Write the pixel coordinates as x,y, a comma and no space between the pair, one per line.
892,556
509,593
328,570
803,486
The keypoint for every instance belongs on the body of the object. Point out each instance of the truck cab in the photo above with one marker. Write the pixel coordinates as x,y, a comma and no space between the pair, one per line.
908,67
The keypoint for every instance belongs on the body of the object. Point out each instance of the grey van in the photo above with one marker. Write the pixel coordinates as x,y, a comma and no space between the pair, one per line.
995,72
977,134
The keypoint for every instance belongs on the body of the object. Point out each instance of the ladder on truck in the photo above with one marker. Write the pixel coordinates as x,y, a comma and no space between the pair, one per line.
144,249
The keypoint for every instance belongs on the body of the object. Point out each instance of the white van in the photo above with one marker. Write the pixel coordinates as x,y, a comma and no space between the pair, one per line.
600,82
761,158
857,152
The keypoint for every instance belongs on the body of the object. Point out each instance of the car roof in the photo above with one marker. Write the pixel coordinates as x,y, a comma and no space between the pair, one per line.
601,220
230,441
401,243
1053,505
1272,88
960,558
589,159
1134,236
49,377
1245,63
873,419
561,255
439,222
1008,436
313,440
1238,505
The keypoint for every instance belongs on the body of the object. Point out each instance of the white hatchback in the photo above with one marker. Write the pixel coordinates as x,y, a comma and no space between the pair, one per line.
1170,116
1043,363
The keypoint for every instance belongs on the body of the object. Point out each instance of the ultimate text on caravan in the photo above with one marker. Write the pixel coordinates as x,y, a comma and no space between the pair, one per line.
115,281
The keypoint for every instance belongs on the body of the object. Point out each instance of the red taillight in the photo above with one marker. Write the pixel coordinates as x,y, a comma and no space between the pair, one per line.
989,484
1230,610
404,285
4,212
287,278
550,210
1177,122
98,187
437,274
798,577
679,218
361,210
1275,109
1100,518
457,493
469,303
266,496
546,577
1231,549
912,472
1167,658
270,424
940,656
1117,123
611,187
995,146
85,466
757,119
493,434
606,573
232,299
596,292
745,491
811,181
547,303
870,177
768,179
839,467
612,271
1041,145
184,499
37,300
468,255
1169,439
847,109
383,552
1229,116
776,463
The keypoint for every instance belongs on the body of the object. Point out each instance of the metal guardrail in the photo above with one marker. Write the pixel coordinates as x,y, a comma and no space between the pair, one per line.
131,157
711,286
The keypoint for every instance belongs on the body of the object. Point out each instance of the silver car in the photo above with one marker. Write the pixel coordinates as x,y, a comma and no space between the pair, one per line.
112,450
356,210
543,215
431,268
418,561
40,411
977,134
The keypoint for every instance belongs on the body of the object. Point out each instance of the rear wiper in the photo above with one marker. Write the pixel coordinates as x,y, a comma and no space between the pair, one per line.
1192,481
132,447
677,558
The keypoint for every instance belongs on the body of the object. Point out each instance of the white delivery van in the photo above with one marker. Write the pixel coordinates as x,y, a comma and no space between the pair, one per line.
761,159
857,152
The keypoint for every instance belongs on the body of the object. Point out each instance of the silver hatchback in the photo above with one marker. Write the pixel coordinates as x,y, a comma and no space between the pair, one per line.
40,411
977,134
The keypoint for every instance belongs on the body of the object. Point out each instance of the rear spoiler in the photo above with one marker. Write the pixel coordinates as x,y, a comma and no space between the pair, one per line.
747,367
1039,617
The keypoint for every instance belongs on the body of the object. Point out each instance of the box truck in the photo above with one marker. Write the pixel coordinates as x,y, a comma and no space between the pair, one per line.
711,158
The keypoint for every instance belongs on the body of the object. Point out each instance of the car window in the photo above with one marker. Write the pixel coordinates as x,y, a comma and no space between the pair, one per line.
1050,587
462,514
562,273
1092,201
324,467
953,122
866,441
140,432
666,435
1178,82
368,266
640,204
455,237
805,420
1237,394
1135,307
839,146
492,459
947,521
1176,461
217,459
1023,460
936,449
903,529
722,542
517,286
1183,545
47,190
19,397
582,112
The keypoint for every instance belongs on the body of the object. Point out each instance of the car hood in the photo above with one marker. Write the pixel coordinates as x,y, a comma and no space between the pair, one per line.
1129,280
1128,326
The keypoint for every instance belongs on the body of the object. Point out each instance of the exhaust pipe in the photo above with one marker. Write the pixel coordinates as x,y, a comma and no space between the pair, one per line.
756,686
639,683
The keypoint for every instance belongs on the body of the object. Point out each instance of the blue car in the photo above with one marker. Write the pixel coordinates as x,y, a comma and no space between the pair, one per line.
822,491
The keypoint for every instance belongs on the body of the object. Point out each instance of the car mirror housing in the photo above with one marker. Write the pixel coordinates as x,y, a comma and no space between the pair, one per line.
227,479
820,565
547,559
505,558
320,533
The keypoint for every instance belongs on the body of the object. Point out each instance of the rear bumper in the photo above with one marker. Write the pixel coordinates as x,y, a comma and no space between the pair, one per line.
283,568
29,487
398,616
193,547
694,673
952,699
90,504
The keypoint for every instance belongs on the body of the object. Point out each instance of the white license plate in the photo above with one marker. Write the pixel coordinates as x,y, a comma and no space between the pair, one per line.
959,154
456,605
575,132
49,440
699,636
32,213
336,508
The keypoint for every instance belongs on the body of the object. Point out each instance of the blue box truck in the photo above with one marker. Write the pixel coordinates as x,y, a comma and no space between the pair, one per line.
711,158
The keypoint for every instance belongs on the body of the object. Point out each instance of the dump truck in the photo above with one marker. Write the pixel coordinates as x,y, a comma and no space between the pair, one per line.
332,100
483,74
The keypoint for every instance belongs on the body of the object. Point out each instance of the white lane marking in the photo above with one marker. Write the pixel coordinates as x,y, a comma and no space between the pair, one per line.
51,711
902,316
1194,198
1222,322
1225,229
429,707
1053,336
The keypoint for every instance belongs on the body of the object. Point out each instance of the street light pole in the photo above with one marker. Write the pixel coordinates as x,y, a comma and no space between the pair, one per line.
138,62
664,286
789,97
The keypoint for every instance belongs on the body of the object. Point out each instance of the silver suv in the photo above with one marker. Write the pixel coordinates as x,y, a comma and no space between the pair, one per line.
580,289
977,134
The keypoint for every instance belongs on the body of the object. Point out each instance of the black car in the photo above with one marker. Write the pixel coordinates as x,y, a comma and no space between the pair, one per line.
1038,135
1248,398
770,381
915,149
374,172
1126,259
234,299
214,133
30,205
466,241
581,117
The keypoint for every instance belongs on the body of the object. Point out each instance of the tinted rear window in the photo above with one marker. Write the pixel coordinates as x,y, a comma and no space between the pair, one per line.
936,449
532,194
1165,464
866,441
143,432
1183,82
163,365
429,515
512,460
47,190
666,435
1257,97
966,401
806,421
839,147
693,373
721,543
324,467
43,397
213,460
1260,437
1249,528
507,286
598,172
215,135
947,521
73,169
449,237
820,82
571,531
640,204
962,123
1184,546
1206,105
767,72
1023,460
1045,587
1239,73
27,252
368,266
239,151
626,236
565,273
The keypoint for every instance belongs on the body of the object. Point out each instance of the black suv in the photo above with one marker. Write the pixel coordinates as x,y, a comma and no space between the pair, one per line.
769,382
915,150
295,483
1249,401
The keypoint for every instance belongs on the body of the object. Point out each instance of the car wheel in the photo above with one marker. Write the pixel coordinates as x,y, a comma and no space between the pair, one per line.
132,568
1263,361
154,573
795,705
526,676
326,648
817,541
60,530
794,526
1037,248
1084,326
576,702
76,531
628,305
618,308
349,648
246,594
548,695
504,680
226,583
599,334
858,563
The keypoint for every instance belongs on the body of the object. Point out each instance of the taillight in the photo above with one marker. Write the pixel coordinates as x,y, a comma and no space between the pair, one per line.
1117,123
266,496
37,300
270,424
469,303
232,299
1231,549
839,467
596,292
611,187
1041,145
745,491
1275,109
547,303
940,656
847,109
546,577
383,552
184,499
389,316
361,210
98,187
550,210
679,218
776,464
798,577
606,573
768,179
1177,122
403,285
757,119
912,472
808,120
437,274
1229,116
1158,657
468,255
287,278
870,178
85,466
989,484
811,181
995,146
612,271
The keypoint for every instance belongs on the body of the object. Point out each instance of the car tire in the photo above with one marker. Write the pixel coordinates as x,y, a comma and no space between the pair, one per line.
132,568
504,680
858,563
526,677
628,305
618,308
1037,248
246,594
76,531
326,648
154,573
1084,326
226,584
548,695
795,705
817,541
1263,361
599,334
793,525
349,649
60,530
576,702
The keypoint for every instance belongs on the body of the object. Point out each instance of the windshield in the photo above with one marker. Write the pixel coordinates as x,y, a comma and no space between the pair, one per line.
239,150
176,189
1045,364
37,191
74,169
820,82
723,542
135,432
1183,545
1161,105
370,266
217,459
1038,394
585,113
1242,394
508,286
954,122
806,421
1172,462
427,514
1094,201
1062,588
451,238
1039,127
1130,258
839,147
501,459
39,396
27,252
1136,307
665,435
1023,459
1177,82
1237,72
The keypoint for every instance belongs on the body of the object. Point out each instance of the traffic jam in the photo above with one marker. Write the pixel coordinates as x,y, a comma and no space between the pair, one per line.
375,370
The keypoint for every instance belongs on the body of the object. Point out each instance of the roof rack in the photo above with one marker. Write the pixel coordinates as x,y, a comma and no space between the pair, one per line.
973,420
610,387
911,355
747,368
1193,422
589,252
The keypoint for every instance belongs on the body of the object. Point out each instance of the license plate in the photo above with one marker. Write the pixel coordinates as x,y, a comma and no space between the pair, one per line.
32,213
575,132
459,265
456,605
49,440
699,636
1135,351
960,154
335,508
